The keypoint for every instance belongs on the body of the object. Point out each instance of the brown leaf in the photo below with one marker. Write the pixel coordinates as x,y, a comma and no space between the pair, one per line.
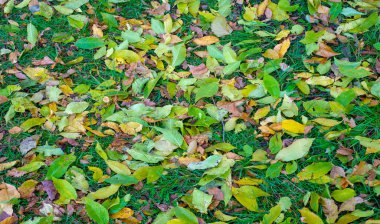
206,40
325,51
28,144
27,188
48,187
198,70
330,209
350,204
15,130
96,31
3,99
216,192
44,61
7,193
336,172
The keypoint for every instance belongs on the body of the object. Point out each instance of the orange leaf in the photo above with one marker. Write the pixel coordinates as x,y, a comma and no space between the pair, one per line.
206,40
325,51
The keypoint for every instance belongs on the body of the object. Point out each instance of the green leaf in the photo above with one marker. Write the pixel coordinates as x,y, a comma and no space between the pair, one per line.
346,97
66,191
229,55
274,170
89,43
109,19
298,149
275,143
145,156
75,4
247,196
77,178
179,54
96,211
122,179
33,166
76,107
312,37
315,171
151,173
375,89
223,146
351,69
32,34
215,52
185,215
210,162
32,122
77,21
206,90
157,26
172,135
59,166
45,10
271,85
343,195
201,200
274,213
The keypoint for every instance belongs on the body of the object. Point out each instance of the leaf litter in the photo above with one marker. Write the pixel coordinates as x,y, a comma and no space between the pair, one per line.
299,79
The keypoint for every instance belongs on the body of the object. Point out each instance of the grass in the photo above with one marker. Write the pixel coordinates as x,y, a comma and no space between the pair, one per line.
94,72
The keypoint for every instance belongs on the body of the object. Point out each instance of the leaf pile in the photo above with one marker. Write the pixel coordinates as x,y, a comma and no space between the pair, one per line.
247,111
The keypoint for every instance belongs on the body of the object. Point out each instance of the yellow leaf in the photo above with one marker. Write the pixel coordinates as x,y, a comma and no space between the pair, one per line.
223,217
95,132
272,54
27,188
96,31
347,218
282,34
249,181
131,128
309,217
262,7
127,55
98,173
9,220
176,221
284,48
104,192
118,167
293,126
123,214
38,74
5,166
250,13
206,40
326,122
320,81
262,112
